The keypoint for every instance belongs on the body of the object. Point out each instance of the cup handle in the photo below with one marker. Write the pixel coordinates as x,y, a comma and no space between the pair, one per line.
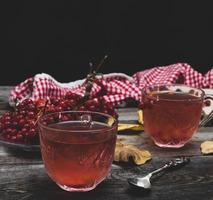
207,112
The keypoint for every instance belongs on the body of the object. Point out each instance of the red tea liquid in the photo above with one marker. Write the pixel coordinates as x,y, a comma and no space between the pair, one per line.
78,162
171,118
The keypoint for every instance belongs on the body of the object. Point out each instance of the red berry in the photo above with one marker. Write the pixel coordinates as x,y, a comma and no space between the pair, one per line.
92,108
15,124
7,114
55,101
31,115
105,111
32,132
13,132
22,122
50,120
69,108
7,118
1,128
72,101
22,112
7,123
18,117
74,96
31,107
27,126
58,109
8,131
207,103
44,123
81,108
27,101
24,131
51,109
64,118
7,136
14,137
40,103
62,104
19,136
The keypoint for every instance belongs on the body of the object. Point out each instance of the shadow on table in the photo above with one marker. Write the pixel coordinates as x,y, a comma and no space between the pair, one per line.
23,153
43,188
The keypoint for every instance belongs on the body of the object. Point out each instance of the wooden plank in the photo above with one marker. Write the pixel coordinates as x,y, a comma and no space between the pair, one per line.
30,182
128,114
4,91
142,140
4,94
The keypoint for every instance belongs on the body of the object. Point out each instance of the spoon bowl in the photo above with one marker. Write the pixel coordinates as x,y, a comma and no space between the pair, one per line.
140,182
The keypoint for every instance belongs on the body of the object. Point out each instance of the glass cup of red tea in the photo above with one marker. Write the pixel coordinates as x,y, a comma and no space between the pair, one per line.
77,148
171,113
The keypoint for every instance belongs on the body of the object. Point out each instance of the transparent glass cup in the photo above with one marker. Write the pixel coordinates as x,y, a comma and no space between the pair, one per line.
171,113
77,148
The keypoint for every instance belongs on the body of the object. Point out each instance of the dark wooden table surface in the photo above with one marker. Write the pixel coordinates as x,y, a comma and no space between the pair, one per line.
23,177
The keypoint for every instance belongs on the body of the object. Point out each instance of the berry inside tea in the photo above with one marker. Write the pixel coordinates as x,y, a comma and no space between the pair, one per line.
78,161
171,118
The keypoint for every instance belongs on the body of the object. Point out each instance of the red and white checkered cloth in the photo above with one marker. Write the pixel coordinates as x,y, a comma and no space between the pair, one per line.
115,87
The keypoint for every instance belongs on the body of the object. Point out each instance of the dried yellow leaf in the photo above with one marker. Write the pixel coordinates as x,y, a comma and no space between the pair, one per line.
127,152
140,116
207,147
134,127
111,121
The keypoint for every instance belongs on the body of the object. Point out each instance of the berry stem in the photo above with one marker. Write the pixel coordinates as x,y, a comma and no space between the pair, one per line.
101,63
41,112
91,77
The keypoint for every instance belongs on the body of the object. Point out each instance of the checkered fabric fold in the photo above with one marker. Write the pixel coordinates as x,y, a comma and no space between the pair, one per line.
114,87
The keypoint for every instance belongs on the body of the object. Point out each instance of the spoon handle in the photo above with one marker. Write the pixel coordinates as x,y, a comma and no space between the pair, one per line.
159,170
173,163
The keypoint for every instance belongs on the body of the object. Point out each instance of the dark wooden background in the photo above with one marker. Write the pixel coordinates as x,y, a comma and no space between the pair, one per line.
61,37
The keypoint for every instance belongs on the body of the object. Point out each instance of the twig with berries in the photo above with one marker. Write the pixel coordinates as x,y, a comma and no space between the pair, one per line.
91,77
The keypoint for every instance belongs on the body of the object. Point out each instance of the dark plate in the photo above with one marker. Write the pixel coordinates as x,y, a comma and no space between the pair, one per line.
19,146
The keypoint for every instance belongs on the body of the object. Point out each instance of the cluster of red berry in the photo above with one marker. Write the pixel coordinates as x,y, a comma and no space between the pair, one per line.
20,125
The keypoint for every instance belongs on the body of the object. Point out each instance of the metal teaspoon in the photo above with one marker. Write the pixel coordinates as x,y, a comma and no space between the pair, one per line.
144,182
